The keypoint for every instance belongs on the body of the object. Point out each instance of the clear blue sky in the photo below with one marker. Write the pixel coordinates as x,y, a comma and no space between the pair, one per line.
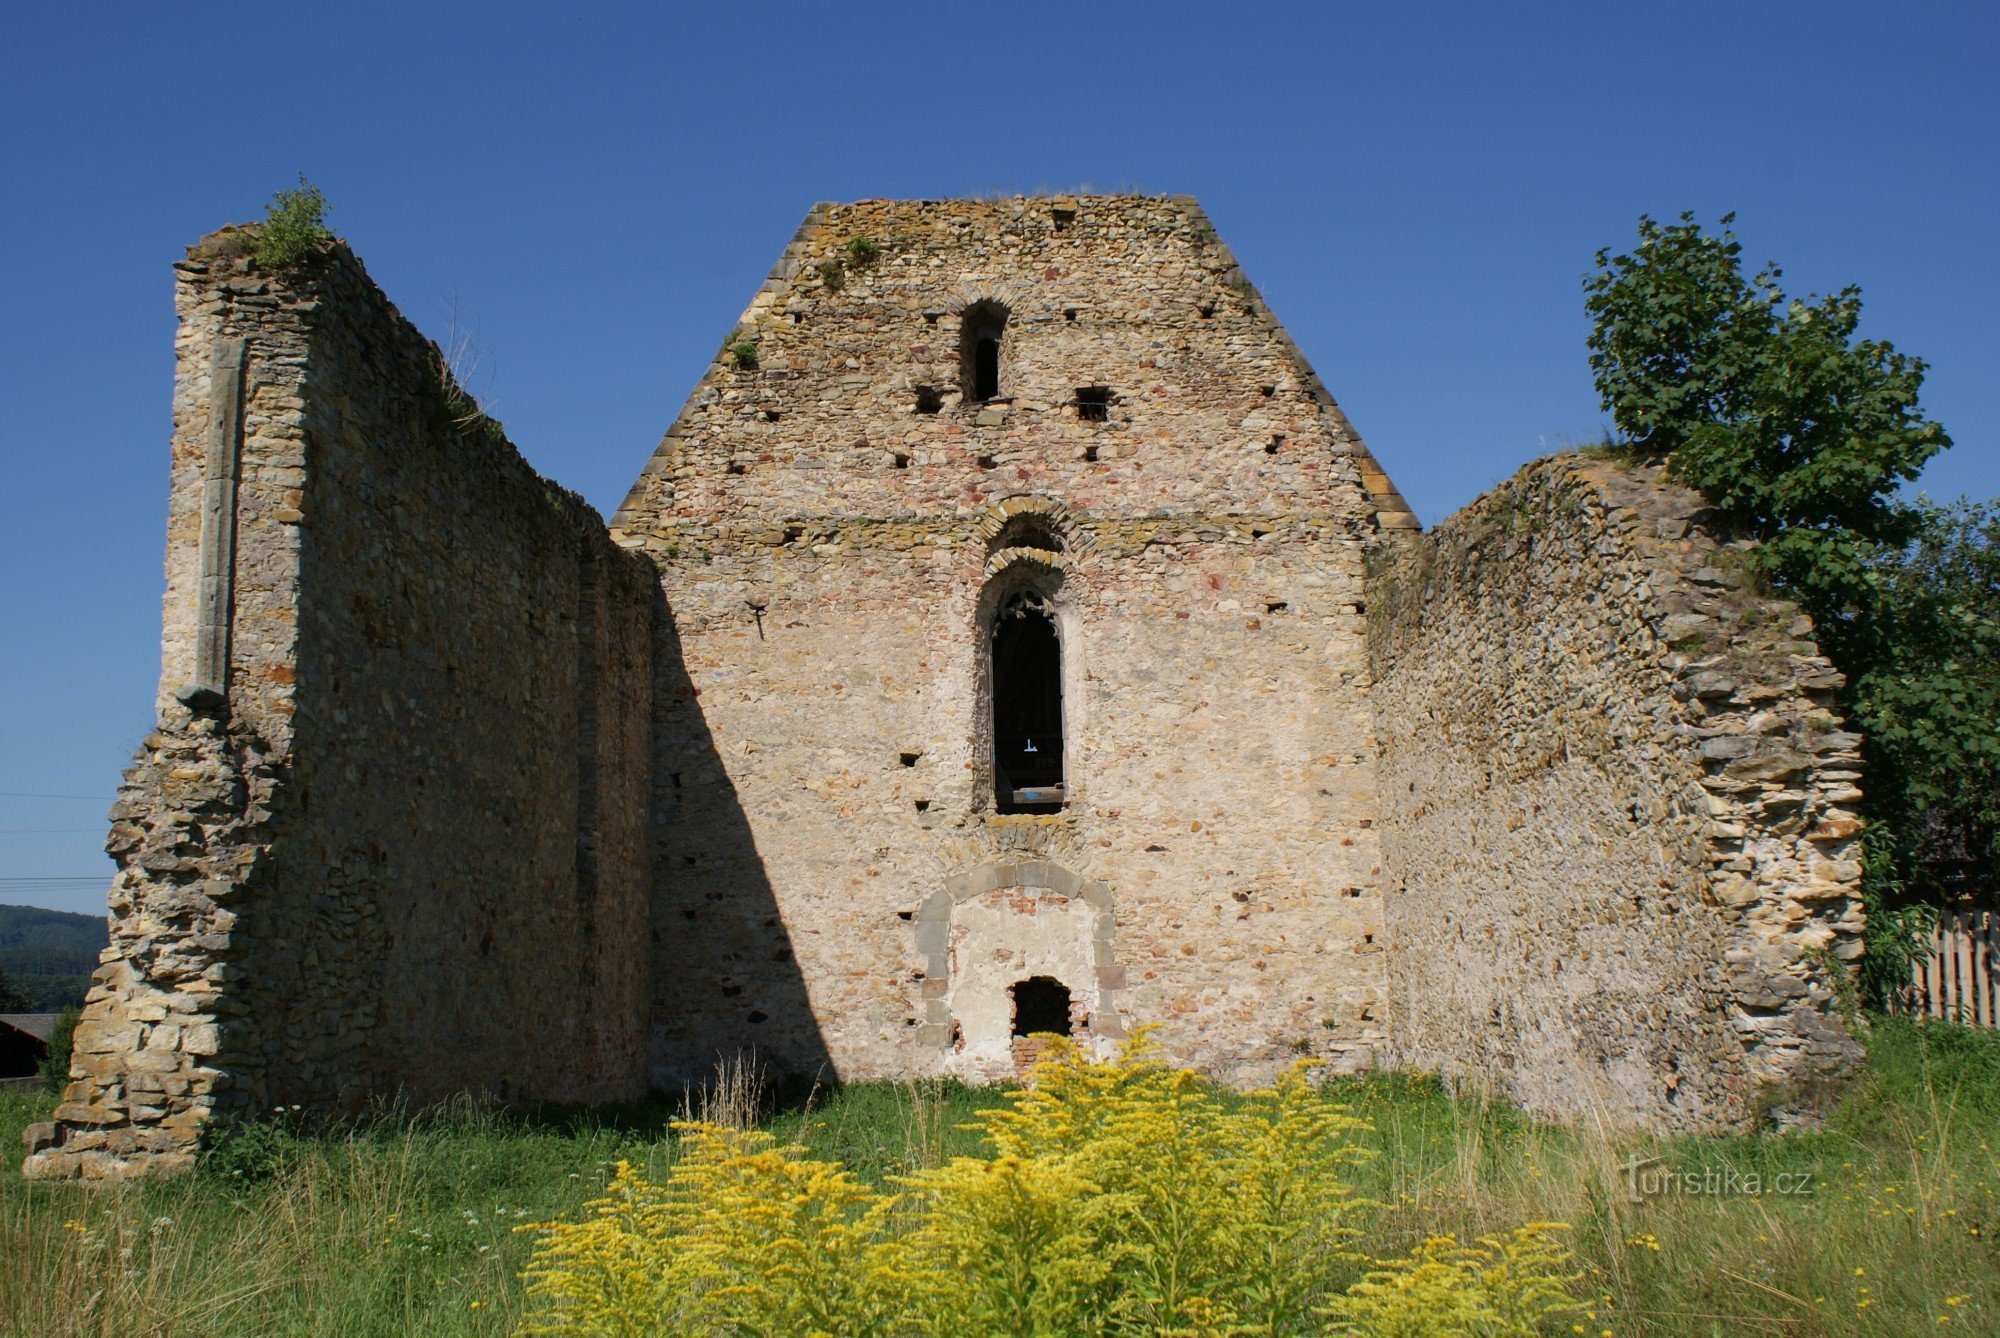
1416,188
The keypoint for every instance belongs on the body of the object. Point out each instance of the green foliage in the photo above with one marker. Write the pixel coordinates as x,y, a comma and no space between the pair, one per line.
1801,434
743,353
11,999
862,251
1926,693
252,1151
833,274
404,1224
62,1043
47,956
1768,405
294,228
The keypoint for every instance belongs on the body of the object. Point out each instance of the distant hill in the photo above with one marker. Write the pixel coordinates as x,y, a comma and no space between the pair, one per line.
48,955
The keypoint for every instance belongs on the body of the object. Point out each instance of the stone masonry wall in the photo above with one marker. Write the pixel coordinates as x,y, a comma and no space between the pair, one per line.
1616,807
832,525
390,835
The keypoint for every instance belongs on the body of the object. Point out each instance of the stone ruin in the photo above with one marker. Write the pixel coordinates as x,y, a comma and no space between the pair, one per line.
1010,636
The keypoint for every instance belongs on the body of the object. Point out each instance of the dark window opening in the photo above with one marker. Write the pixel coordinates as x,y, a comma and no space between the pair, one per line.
1062,217
929,399
1093,403
1271,446
898,460
981,329
986,369
1041,1004
1027,707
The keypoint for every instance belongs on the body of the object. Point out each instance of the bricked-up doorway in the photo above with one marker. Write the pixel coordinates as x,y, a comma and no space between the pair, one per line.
1027,706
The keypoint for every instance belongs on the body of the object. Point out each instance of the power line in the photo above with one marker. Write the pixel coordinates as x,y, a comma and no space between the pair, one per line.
46,831
20,794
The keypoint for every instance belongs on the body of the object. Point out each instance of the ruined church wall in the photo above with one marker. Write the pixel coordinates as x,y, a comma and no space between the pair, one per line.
1616,809
401,845
838,893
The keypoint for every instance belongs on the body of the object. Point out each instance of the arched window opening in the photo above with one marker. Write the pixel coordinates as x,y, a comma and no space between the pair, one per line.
1041,1005
981,329
1027,706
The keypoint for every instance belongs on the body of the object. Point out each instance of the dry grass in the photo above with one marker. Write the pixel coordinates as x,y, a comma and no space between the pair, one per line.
406,1226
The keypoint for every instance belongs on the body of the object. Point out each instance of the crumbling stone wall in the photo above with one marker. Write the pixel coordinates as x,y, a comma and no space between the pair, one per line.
453,790
1616,807
390,835
829,523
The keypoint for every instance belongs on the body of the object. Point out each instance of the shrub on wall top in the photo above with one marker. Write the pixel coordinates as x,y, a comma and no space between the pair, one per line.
294,227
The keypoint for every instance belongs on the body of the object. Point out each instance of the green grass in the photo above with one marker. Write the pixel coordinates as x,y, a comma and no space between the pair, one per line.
407,1225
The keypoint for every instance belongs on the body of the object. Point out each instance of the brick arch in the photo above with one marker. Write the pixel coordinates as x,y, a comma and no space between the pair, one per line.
1009,297
1077,540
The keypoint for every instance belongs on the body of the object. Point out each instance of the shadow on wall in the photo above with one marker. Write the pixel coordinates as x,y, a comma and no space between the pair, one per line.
726,982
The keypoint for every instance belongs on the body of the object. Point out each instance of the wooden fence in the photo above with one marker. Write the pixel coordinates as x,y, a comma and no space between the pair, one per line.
1961,978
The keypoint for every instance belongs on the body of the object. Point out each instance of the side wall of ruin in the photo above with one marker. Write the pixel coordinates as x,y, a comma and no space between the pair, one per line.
1616,809
390,835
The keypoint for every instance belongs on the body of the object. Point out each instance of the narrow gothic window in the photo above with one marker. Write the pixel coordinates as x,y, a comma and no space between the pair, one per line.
1027,707
981,329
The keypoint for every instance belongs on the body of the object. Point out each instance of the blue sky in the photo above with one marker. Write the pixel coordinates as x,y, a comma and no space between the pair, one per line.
1416,188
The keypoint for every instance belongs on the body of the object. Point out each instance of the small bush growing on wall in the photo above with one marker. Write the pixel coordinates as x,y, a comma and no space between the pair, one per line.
862,251
833,274
743,354
294,227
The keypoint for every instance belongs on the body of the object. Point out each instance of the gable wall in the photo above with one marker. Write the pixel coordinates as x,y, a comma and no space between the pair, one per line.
826,604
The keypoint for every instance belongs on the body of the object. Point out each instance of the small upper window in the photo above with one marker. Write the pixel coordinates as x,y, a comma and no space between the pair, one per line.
981,330
1093,403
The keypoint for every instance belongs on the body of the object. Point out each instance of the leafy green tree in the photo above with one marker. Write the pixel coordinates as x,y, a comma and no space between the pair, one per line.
1802,435
11,999
62,1046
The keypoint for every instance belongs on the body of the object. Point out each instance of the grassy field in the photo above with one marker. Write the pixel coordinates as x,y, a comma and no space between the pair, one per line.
1887,1221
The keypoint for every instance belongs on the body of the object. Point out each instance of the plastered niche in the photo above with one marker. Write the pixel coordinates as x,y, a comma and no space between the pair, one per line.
999,924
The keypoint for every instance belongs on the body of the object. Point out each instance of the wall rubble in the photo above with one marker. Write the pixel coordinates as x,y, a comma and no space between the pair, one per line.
1617,806
403,850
